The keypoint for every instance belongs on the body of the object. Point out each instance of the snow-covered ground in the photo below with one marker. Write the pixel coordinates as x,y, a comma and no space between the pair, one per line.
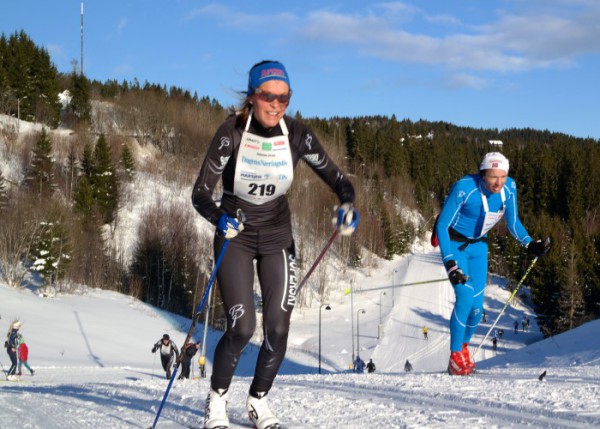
94,368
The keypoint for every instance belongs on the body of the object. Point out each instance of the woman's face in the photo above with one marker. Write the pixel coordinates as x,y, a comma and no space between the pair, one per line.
494,179
268,113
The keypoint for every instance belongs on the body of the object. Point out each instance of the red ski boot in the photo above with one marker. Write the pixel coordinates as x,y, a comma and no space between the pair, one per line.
465,352
458,365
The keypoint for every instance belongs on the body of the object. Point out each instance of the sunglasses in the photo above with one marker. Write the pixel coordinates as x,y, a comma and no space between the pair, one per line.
269,97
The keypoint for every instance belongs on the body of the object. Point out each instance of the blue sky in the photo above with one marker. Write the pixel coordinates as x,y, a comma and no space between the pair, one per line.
479,63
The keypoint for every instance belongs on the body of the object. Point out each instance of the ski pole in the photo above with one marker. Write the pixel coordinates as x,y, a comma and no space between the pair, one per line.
5,372
445,279
422,282
314,265
506,305
192,327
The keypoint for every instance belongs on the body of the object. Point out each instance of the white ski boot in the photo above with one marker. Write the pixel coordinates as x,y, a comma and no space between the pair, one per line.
215,413
260,414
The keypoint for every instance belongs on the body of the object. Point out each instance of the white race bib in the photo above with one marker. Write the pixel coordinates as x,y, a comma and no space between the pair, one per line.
491,218
264,169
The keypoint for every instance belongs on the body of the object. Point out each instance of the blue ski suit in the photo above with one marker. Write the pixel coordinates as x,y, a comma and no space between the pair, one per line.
462,233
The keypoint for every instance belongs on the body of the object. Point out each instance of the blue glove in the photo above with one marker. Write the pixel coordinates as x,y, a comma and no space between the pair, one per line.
229,226
347,219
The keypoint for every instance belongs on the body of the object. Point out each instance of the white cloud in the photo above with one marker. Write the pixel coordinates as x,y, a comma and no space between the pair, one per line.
121,25
465,80
123,69
511,44
514,41
56,51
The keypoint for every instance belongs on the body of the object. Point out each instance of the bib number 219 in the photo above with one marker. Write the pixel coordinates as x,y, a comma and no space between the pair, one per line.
261,190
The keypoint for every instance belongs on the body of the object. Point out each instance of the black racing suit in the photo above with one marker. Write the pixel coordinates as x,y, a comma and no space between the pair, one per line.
266,238
169,353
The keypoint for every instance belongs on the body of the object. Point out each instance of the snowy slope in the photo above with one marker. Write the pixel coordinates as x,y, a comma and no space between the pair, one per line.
95,370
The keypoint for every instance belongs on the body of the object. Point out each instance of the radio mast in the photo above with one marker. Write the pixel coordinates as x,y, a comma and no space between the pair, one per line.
81,66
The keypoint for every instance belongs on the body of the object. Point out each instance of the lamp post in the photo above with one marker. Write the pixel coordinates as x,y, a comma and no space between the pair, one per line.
352,318
393,285
327,307
379,328
358,330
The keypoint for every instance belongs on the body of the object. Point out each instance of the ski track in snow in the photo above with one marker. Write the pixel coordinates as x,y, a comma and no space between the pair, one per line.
94,368
512,398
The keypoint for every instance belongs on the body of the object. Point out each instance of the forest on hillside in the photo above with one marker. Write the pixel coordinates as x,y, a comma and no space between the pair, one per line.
58,215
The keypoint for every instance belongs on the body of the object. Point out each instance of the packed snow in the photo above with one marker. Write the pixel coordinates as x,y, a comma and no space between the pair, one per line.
94,366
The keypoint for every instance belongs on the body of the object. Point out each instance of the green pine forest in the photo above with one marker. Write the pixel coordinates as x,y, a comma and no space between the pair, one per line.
67,203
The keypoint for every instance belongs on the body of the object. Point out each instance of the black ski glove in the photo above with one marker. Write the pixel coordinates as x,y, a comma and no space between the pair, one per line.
539,248
154,349
455,274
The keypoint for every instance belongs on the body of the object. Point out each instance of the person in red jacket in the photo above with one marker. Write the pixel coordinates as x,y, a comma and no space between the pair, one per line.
23,355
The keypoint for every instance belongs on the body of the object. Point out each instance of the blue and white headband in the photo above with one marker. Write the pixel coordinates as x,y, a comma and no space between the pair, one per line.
264,72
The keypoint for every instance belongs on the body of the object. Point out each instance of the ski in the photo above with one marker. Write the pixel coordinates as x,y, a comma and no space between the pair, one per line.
16,381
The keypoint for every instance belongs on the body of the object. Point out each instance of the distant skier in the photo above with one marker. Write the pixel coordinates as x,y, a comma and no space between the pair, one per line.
476,203
371,366
12,345
516,325
528,321
425,332
500,333
407,366
190,350
524,325
494,343
484,317
359,365
168,353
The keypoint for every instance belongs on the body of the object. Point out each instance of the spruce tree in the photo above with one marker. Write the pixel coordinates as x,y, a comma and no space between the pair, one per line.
80,92
127,161
87,161
51,250
40,177
104,180
31,80
84,199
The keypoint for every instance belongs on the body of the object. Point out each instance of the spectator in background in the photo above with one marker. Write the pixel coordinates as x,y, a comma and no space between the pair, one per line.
23,355
371,366
12,345
186,361
359,365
